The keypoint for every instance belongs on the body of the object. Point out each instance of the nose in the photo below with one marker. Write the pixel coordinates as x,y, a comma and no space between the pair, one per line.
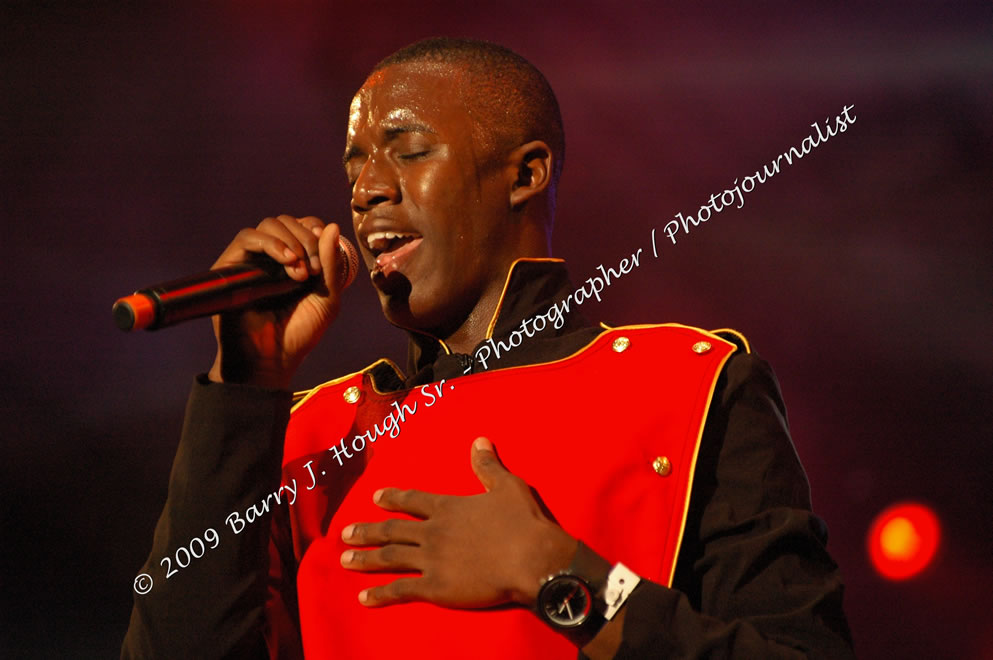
375,185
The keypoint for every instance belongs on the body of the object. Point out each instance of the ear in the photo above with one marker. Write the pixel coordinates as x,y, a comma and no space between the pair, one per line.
530,168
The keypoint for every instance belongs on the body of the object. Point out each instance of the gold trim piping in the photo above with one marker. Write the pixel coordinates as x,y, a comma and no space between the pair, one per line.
744,340
506,283
496,312
583,349
307,394
696,453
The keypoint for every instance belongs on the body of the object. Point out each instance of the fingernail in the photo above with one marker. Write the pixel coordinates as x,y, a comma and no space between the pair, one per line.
289,254
317,231
377,496
482,444
348,532
363,595
347,556
315,263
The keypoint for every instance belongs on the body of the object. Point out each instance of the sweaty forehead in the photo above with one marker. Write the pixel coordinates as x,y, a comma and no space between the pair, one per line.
409,92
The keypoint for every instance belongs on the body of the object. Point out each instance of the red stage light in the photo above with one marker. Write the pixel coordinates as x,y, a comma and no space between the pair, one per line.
903,540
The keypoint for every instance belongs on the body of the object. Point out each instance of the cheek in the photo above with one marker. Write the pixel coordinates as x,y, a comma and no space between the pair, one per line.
436,189
443,208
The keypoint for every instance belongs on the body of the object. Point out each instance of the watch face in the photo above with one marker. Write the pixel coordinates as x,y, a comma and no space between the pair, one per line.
565,601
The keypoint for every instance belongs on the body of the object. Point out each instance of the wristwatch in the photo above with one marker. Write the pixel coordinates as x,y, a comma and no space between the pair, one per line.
579,601
565,601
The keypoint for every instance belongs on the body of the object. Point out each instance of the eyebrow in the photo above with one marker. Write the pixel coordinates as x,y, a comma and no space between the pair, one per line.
389,134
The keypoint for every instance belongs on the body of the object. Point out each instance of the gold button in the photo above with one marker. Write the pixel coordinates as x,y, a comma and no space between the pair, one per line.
701,347
621,344
662,466
352,394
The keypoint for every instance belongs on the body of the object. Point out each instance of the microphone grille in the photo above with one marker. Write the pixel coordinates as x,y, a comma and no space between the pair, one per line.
348,266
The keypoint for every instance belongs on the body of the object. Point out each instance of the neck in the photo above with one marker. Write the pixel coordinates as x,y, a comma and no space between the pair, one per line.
473,330
534,243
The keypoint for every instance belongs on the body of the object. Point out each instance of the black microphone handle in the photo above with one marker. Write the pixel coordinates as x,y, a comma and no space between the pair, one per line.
204,294
215,291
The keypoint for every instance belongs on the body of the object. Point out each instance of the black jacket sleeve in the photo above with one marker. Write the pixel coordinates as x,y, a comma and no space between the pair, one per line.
753,578
228,460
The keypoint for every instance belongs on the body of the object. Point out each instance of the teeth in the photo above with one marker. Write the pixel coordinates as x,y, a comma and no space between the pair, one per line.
386,235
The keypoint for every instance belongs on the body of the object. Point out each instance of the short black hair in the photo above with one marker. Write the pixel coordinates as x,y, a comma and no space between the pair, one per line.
511,100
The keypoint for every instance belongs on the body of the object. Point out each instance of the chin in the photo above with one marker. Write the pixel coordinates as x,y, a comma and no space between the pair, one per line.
397,309
414,310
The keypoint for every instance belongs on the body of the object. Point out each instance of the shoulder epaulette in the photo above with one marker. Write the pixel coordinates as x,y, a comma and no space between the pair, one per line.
386,377
734,337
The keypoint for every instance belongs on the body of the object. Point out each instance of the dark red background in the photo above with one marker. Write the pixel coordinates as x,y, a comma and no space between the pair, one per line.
136,141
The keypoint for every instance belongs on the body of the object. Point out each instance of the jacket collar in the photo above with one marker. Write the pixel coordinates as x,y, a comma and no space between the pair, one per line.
532,286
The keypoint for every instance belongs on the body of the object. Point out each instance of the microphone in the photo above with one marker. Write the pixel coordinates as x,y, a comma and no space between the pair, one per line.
219,290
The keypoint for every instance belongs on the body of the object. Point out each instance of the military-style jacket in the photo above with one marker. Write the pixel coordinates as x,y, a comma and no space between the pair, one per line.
660,446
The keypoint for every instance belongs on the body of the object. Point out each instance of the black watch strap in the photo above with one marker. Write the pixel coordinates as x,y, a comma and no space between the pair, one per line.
591,567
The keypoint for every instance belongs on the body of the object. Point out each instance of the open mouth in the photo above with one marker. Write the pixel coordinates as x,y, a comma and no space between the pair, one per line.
391,249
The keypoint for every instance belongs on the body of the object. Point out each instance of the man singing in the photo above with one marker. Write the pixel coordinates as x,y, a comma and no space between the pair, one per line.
626,492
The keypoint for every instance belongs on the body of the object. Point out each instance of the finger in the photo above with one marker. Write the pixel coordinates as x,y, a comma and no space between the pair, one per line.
298,237
253,241
392,530
282,228
328,252
278,241
415,502
402,590
301,230
313,224
485,463
392,558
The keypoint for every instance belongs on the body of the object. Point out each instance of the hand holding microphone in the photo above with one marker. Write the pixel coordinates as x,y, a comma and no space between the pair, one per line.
219,290
265,343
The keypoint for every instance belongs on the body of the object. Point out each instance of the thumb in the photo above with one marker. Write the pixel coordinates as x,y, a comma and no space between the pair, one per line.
327,247
485,463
